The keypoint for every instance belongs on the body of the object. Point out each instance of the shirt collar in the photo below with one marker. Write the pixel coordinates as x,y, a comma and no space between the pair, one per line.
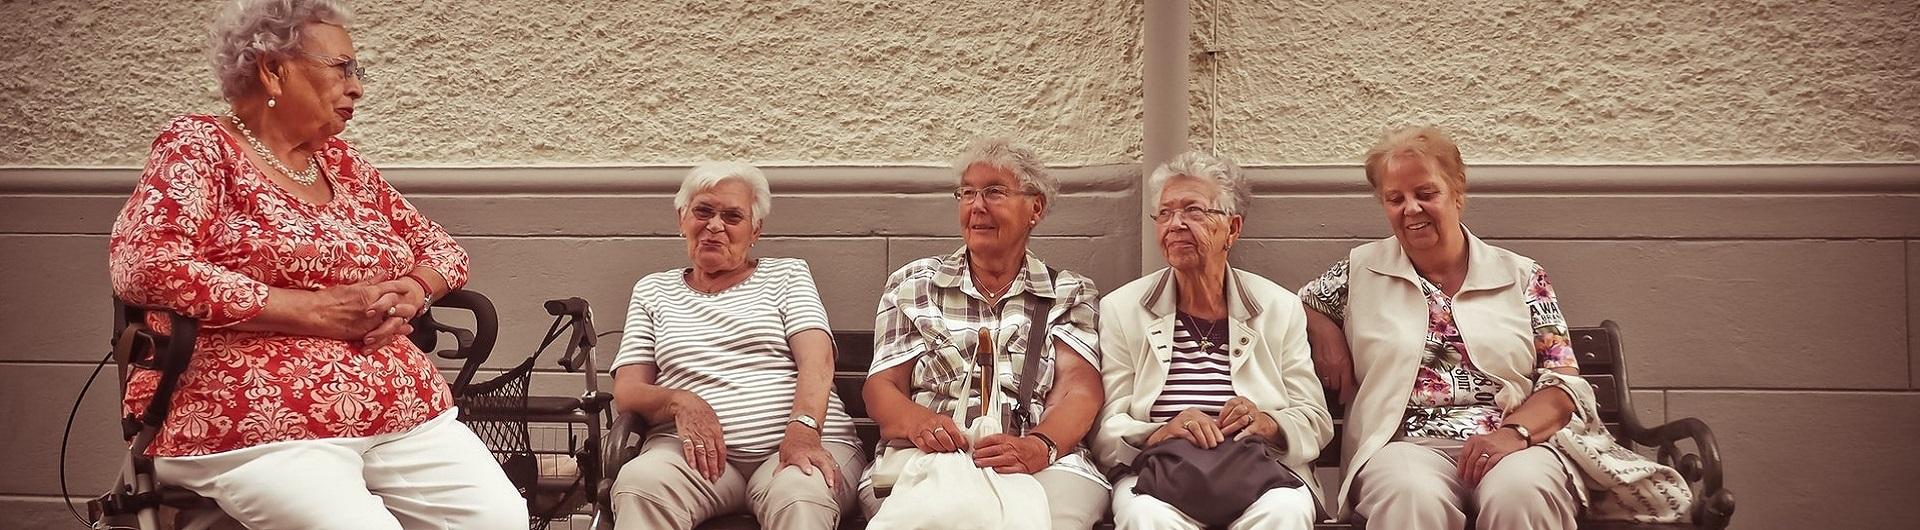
1034,277
1160,300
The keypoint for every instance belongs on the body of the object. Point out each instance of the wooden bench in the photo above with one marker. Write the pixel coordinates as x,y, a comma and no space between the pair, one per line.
1687,444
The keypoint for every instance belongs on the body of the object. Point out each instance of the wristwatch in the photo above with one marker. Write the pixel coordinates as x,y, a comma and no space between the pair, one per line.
806,421
1522,429
1053,450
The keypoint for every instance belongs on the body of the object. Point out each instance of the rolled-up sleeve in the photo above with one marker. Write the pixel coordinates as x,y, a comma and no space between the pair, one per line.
895,339
155,251
1078,325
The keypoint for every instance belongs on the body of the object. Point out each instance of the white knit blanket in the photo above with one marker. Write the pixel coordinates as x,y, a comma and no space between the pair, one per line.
1622,485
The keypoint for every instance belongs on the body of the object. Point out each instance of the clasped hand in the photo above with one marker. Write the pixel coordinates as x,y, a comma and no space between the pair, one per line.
373,314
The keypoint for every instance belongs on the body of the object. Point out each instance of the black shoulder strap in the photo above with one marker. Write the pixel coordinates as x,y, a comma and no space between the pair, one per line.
1037,333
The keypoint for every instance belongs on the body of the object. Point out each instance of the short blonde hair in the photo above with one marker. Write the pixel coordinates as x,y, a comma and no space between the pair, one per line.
1428,143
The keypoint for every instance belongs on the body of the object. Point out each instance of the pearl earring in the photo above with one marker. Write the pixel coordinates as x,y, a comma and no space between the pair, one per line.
271,103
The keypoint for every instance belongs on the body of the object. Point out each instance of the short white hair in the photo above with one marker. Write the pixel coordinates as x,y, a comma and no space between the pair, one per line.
1003,154
706,176
247,31
1232,193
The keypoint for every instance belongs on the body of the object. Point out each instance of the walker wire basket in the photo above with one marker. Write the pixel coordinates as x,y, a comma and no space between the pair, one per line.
549,446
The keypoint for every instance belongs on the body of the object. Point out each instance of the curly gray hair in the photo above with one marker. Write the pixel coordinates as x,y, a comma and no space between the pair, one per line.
247,31
1234,194
1003,154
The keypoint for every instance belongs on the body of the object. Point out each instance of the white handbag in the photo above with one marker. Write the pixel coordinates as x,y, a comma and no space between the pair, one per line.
946,491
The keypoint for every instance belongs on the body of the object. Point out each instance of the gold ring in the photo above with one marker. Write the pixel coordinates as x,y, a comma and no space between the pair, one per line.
1187,425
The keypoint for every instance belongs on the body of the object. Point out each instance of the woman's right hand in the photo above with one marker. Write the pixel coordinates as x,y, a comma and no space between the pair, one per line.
936,433
702,441
1332,359
1191,425
351,312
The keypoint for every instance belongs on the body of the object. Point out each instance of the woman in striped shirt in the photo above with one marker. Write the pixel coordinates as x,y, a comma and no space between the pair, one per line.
1204,352
731,361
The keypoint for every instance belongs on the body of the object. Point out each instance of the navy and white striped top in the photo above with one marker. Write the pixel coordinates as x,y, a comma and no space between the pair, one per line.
1196,376
730,348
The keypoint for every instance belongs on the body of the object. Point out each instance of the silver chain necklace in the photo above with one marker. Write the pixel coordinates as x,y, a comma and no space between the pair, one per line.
990,296
305,178
1206,337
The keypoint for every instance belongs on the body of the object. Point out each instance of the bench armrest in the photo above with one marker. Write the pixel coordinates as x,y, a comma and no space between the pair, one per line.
1713,504
623,442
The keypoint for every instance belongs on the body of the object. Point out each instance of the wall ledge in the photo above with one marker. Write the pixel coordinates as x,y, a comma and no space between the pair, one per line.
1817,178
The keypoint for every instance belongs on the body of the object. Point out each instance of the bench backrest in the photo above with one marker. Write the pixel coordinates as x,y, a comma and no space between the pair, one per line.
1598,349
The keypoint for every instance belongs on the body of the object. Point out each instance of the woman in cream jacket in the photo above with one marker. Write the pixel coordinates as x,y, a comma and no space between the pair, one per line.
1204,352
1435,339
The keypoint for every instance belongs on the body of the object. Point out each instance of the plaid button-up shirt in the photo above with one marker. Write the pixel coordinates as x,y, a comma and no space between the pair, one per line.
931,313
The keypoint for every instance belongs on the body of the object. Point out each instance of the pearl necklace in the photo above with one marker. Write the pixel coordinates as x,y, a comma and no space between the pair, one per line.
305,178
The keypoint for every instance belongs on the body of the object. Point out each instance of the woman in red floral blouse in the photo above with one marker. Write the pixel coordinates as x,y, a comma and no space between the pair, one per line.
303,405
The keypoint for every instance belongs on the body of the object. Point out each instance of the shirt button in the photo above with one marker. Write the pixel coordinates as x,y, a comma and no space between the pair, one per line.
1237,352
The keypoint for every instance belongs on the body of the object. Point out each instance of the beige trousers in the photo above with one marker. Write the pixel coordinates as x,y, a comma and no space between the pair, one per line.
659,490
1414,483
1074,502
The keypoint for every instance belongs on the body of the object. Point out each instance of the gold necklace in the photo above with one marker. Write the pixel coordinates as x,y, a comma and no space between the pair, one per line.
305,178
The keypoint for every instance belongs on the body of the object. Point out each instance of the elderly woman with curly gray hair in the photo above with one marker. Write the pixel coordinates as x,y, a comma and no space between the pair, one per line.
302,406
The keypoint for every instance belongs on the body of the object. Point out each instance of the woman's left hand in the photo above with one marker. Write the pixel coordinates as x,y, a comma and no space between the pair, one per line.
1011,454
801,448
1484,451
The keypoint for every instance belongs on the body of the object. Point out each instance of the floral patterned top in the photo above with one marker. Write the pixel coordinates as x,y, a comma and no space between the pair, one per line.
206,234
1452,398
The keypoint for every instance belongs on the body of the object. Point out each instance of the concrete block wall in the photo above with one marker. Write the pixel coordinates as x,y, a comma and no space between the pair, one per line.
1734,182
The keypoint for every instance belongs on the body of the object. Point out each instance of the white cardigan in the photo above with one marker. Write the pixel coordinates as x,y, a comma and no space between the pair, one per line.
1386,329
1270,365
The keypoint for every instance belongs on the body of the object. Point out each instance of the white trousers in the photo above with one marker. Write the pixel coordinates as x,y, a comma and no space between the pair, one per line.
435,476
1277,509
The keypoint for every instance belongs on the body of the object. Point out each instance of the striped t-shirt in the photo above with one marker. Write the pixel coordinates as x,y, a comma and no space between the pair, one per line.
1197,376
730,348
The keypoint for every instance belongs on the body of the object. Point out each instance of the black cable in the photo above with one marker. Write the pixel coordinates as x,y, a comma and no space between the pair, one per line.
68,432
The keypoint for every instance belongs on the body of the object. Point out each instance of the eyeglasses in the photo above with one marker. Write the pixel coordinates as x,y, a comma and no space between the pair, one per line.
729,216
1193,214
993,194
348,68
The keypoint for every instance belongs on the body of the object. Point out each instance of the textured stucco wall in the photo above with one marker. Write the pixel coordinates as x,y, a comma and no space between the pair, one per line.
535,82
1564,80
525,82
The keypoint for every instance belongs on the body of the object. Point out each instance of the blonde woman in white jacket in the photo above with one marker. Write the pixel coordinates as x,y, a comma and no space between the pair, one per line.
1204,352
1435,338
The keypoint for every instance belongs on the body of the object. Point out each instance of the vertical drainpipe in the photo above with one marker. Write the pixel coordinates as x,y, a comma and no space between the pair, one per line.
1163,109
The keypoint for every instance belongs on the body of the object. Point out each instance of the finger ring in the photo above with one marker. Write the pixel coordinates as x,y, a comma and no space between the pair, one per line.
1486,455
391,310
939,429
1187,425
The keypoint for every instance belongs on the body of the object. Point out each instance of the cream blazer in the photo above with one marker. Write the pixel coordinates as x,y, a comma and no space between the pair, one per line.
1386,328
1270,365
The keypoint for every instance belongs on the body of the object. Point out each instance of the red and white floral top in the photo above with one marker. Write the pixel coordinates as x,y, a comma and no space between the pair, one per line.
205,234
